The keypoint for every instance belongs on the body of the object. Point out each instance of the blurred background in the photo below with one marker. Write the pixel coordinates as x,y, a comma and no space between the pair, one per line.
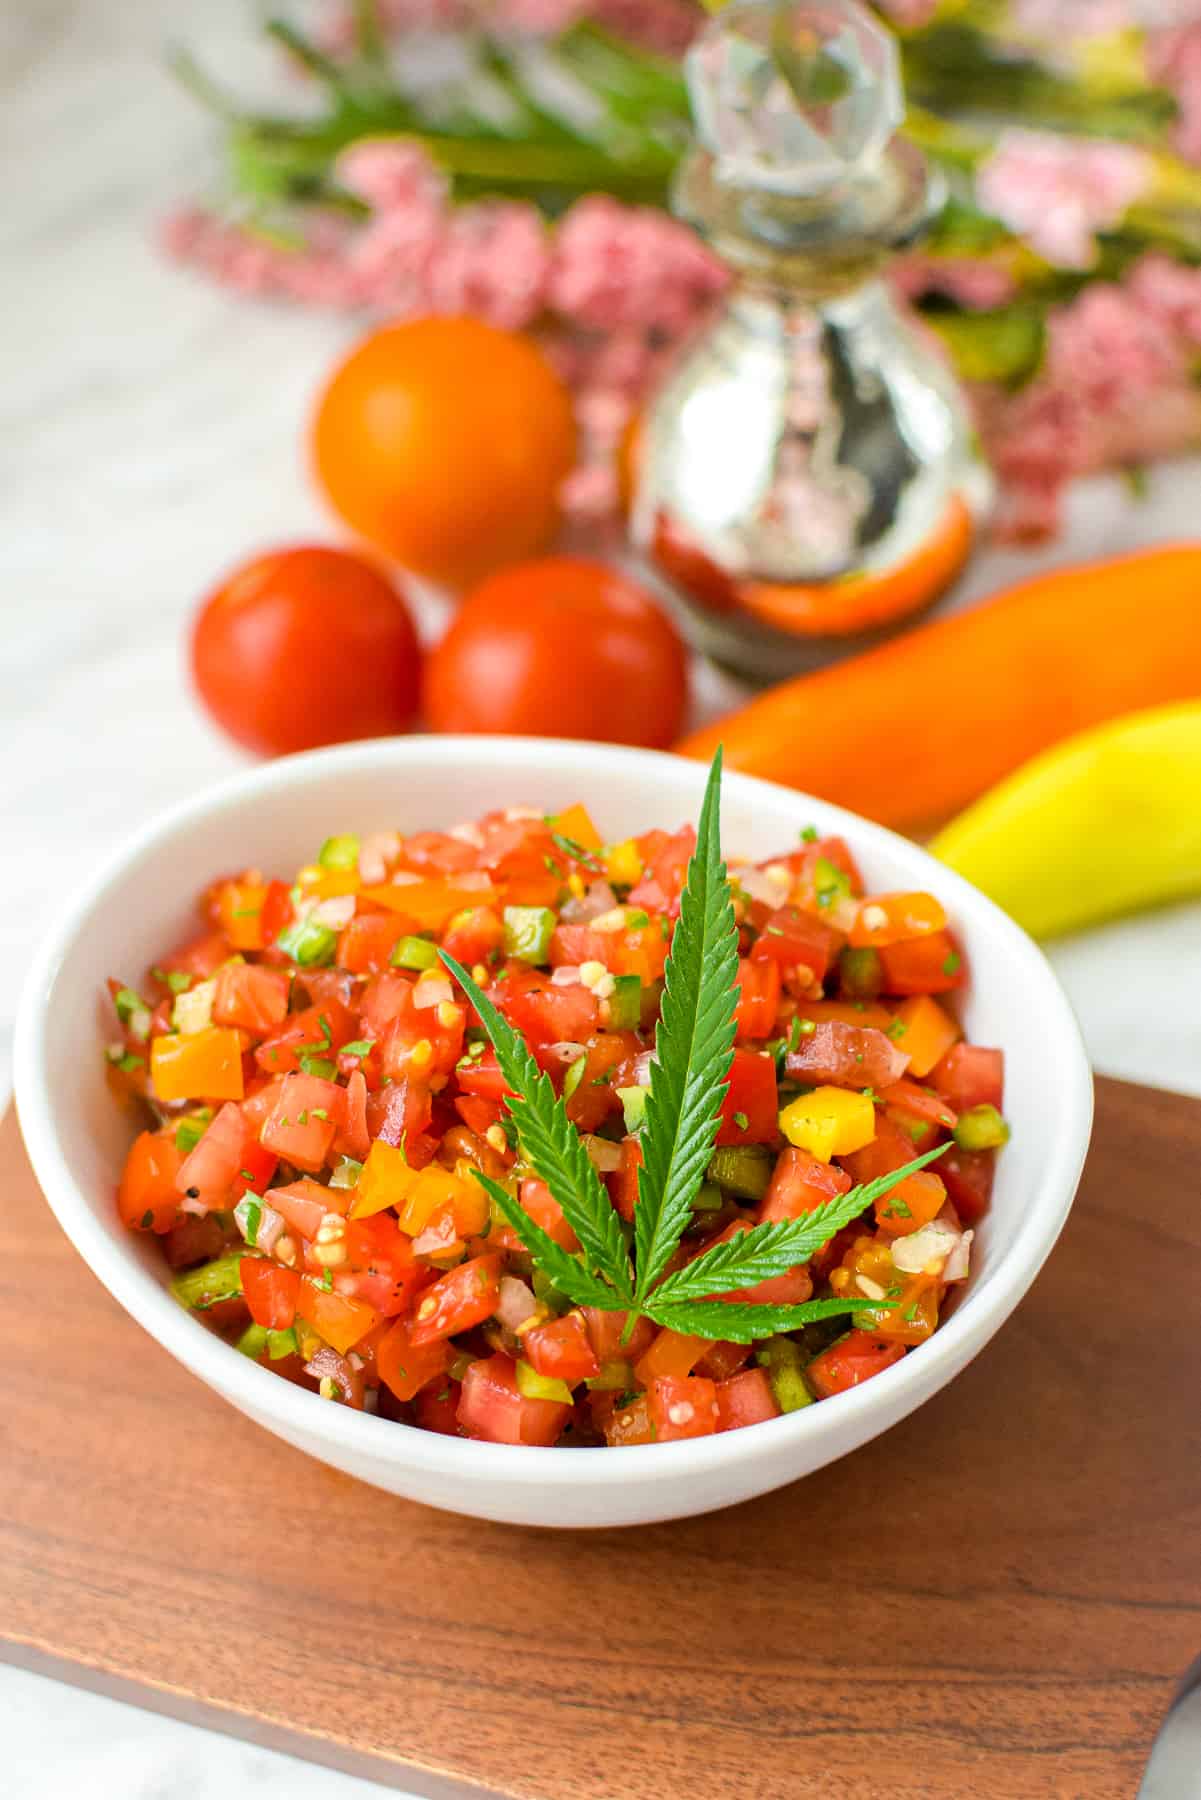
209,211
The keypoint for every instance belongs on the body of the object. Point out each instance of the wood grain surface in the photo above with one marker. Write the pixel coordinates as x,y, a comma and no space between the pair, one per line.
994,1599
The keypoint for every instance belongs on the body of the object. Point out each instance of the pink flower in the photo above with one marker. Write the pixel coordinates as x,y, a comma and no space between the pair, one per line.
909,15
1057,192
1170,292
493,261
1104,347
969,281
391,174
1174,58
618,266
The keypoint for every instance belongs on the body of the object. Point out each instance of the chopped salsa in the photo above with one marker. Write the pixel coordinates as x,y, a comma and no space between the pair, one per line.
323,1098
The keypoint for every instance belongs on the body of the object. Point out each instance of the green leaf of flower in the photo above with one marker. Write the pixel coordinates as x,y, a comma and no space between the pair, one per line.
552,1144
565,1270
766,1250
694,1045
739,1323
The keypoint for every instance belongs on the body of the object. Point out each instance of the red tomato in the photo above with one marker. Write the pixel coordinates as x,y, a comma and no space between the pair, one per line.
482,1076
925,965
466,1296
543,1013
970,1075
838,1055
799,1185
683,1406
366,943
968,1178
251,997
625,1197
609,1065
537,1199
789,1289
304,1121
148,1199
303,1204
437,1407
560,648
853,1359
797,940
491,1407
383,1268
317,1031
406,1367
211,1168
605,1331
560,1349
745,1399
270,1292
306,646
749,1112
758,998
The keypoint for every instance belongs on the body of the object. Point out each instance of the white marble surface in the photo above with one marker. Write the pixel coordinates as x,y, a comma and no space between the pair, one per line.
153,434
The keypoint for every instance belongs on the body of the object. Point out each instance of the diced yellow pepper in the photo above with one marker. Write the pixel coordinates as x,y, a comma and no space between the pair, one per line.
623,863
829,1122
576,823
206,1065
386,1180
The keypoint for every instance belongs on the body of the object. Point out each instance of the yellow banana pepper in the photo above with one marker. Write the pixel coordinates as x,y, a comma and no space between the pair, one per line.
1108,822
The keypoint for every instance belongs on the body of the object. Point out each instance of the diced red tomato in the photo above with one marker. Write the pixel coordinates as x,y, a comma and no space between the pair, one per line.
750,1110
968,1176
481,1075
148,1199
722,1359
890,1149
473,935
969,1075
542,1012
537,1199
478,1114
250,996
797,939
465,1297
745,1399
270,1292
382,1267
406,1367
255,1170
211,1168
303,1204
353,1138
838,1055
194,1238
627,1425
318,1031
683,1407
672,1353
610,1057
339,1318
492,1408
758,998
907,1101
561,1350
367,941
605,1331
400,1114
437,1407
625,1183
855,1358
799,1185
925,965
304,1122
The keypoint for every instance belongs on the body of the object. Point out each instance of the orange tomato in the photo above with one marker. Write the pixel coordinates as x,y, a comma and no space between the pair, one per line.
444,443
564,647
305,646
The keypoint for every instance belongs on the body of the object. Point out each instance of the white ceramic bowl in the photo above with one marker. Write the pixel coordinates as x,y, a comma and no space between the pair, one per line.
273,817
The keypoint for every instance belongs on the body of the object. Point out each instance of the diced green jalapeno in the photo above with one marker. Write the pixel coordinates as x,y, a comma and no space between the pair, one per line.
414,953
339,852
708,1198
574,1076
745,1170
831,882
625,1003
308,943
282,1343
528,932
860,973
347,1173
784,1361
981,1128
633,1104
541,1387
201,1288
253,1341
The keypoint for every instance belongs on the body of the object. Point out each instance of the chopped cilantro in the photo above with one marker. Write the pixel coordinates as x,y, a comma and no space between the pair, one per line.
741,1120
809,835
952,963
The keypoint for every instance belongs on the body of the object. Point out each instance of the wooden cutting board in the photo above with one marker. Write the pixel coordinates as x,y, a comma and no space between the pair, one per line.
994,1599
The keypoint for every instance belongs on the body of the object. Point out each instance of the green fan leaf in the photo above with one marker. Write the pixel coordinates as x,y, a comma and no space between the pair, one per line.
736,1323
567,1272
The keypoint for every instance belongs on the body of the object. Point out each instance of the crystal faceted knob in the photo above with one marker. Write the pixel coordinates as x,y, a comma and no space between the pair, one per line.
795,99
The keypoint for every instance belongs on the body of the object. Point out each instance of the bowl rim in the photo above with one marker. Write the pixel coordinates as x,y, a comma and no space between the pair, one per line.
860,1413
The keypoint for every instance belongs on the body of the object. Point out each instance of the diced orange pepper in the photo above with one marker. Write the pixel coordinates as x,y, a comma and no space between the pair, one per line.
338,1318
911,1204
385,1181
436,1188
672,1353
431,902
240,909
537,887
885,919
927,1033
630,1424
575,822
200,1065
316,883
